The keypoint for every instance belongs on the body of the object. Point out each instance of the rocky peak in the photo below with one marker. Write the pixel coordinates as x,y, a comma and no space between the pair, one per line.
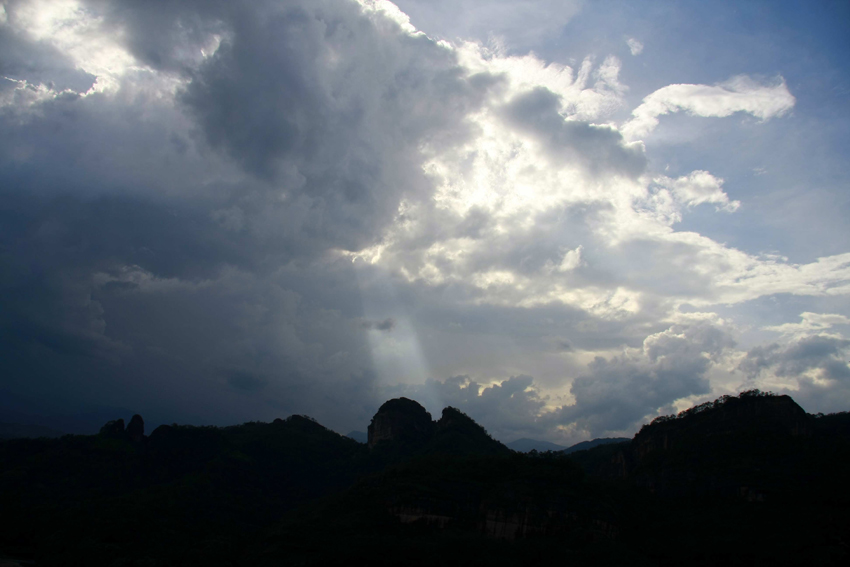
400,419
113,429
457,433
134,432
136,428
454,419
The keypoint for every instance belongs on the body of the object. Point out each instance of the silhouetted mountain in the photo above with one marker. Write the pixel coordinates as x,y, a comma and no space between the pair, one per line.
585,445
403,428
747,480
754,472
458,434
726,440
525,445
188,495
401,422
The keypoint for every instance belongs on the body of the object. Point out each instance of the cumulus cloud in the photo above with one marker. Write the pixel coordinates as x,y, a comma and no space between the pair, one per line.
612,396
814,369
600,147
811,353
739,94
617,393
697,188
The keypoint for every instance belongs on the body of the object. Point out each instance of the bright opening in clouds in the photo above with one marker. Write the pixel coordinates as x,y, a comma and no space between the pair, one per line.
214,212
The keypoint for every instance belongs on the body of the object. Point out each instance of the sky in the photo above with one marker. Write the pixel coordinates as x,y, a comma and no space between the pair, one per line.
564,218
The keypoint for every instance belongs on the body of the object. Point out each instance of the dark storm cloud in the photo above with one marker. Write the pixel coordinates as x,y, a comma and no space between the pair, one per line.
25,59
618,392
823,352
168,35
509,406
152,246
818,363
246,381
385,325
338,125
600,147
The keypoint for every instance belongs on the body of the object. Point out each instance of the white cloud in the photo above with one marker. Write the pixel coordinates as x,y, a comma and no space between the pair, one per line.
23,96
697,188
812,323
388,10
635,46
617,393
570,261
591,93
77,30
739,94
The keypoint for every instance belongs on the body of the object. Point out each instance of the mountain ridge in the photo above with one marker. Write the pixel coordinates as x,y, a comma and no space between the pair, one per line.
265,493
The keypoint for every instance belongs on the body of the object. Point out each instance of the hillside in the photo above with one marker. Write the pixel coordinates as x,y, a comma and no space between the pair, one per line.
26,431
749,480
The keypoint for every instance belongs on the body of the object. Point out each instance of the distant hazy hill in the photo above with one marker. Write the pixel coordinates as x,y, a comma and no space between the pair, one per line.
525,445
584,445
19,431
359,436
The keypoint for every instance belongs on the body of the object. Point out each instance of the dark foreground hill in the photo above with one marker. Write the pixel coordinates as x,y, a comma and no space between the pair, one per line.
749,480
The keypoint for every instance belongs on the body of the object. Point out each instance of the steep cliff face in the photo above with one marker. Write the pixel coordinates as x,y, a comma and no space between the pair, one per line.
401,420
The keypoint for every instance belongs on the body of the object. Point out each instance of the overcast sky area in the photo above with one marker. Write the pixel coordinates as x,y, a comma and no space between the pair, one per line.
563,218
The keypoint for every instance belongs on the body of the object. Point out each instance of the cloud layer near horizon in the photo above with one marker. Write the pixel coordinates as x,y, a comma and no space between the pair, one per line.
223,211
